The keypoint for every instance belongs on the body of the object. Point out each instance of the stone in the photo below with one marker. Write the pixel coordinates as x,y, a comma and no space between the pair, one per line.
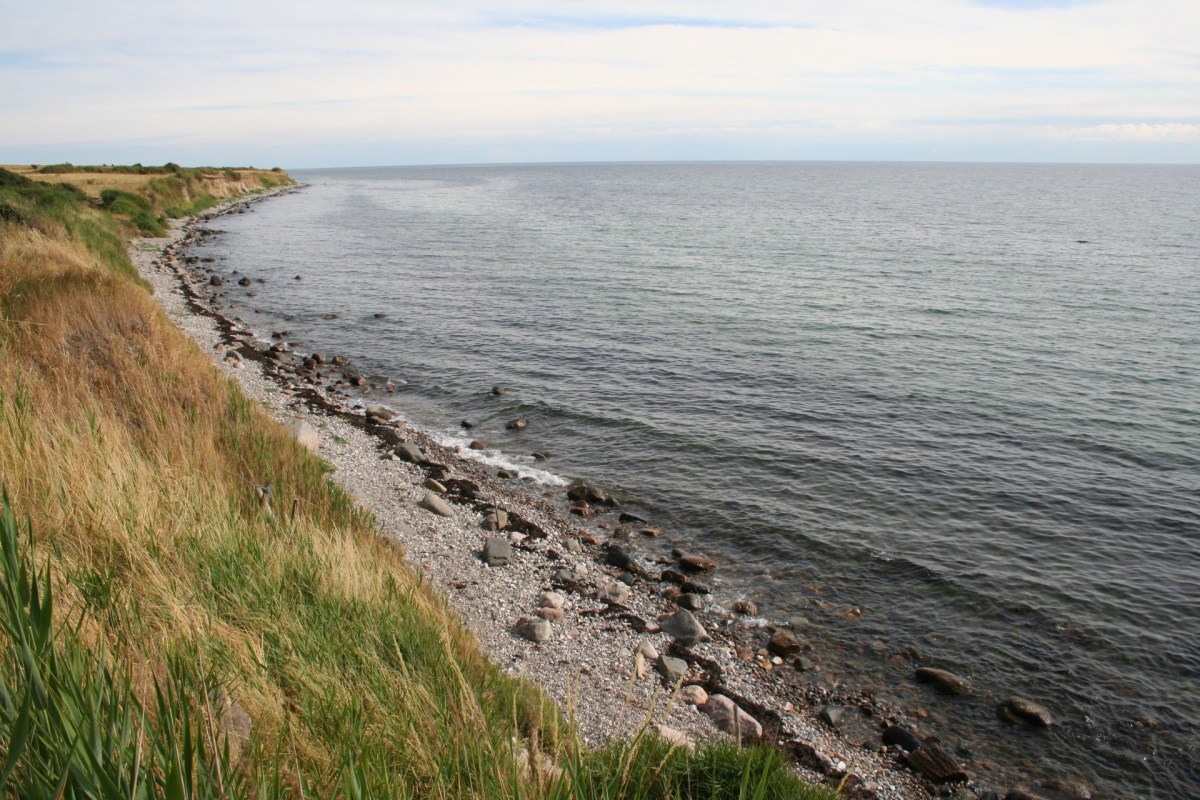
499,391
746,607
517,424
552,600
673,669
620,558
684,627
691,587
216,280
477,445
673,737
731,719
469,423
613,592
626,516
304,433
586,493
945,681
832,715
496,520
434,486
697,562
410,452
497,552
651,532
784,643
902,736
648,651
437,505
572,545
1026,712
692,602
693,695
672,576
551,614
568,576
535,629
244,282
932,761
381,412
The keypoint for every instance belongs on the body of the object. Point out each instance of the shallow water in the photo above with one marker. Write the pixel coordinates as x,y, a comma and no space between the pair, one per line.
963,400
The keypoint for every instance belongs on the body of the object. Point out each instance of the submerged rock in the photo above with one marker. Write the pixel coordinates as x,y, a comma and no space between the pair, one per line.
1026,712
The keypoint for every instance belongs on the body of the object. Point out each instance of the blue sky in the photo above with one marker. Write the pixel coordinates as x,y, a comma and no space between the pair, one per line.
306,84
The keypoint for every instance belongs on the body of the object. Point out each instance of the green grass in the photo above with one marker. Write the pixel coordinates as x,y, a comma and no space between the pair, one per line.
160,585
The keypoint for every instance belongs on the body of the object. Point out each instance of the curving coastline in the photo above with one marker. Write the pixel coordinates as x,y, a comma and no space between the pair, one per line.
588,662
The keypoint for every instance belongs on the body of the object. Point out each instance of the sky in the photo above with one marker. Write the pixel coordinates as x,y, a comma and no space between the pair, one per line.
348,83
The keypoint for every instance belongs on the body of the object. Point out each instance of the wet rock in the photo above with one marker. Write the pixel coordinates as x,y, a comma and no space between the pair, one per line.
518,424
535,629
632,518
613,592
341,361
944,680
672,576
304,433
437,505
691,587
932,761
902,736
673,669
728,717
651,532
622,559
469,423
696,562
1076,788
496,520
586,493
1025,712
747,607
477,445
410,452
832,715
1021,793
784,643
497,552
504,474
551,600
692,602
685,628
693,695
244,282
379,412
216,280
499,391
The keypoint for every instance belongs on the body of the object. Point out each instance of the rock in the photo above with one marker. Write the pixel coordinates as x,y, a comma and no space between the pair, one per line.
410,452
342,361
381,412
691,587
572,545
517,424
499,391
386,433
697,562
784,643
799,623
832,715
469,423
216,280
298,278
728,717
651,532
673,737
692,602
640,670
551,600
626,516
746,607
497,552
244,282
673,669
902,736
1026,712
504,474
496,520
684,627
620,558
318,358
434,486
804,664
304,433
672,576
1021,793
648,651
477,445
613,592
693,695
551,614
568,576
946,681
436,504
586,493
936,764
535,629
1076,788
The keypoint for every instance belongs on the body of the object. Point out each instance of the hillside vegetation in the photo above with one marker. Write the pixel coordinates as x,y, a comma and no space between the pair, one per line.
165,635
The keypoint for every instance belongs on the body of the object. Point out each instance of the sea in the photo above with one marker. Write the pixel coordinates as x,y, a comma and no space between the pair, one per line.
949,414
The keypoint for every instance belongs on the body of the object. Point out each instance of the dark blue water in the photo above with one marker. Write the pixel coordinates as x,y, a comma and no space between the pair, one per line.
963,400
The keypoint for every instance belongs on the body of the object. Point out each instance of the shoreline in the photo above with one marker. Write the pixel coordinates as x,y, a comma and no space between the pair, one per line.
589,663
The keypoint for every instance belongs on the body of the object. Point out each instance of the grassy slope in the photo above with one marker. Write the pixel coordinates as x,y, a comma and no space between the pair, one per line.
178,603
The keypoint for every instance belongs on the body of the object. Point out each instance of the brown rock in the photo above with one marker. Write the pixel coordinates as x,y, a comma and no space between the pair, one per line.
731,719
946,681
784,643
936,764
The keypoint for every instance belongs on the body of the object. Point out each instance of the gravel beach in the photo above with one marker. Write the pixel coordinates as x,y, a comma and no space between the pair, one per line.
598,608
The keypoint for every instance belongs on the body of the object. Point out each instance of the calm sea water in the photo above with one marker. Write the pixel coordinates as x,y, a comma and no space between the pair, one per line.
963,400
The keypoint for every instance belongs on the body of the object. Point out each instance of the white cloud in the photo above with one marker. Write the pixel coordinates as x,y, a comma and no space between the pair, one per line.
1134,132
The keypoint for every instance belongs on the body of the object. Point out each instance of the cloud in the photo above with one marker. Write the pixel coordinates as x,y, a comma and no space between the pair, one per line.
1134,132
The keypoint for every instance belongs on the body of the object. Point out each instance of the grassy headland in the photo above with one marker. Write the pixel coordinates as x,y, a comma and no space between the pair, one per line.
166,635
